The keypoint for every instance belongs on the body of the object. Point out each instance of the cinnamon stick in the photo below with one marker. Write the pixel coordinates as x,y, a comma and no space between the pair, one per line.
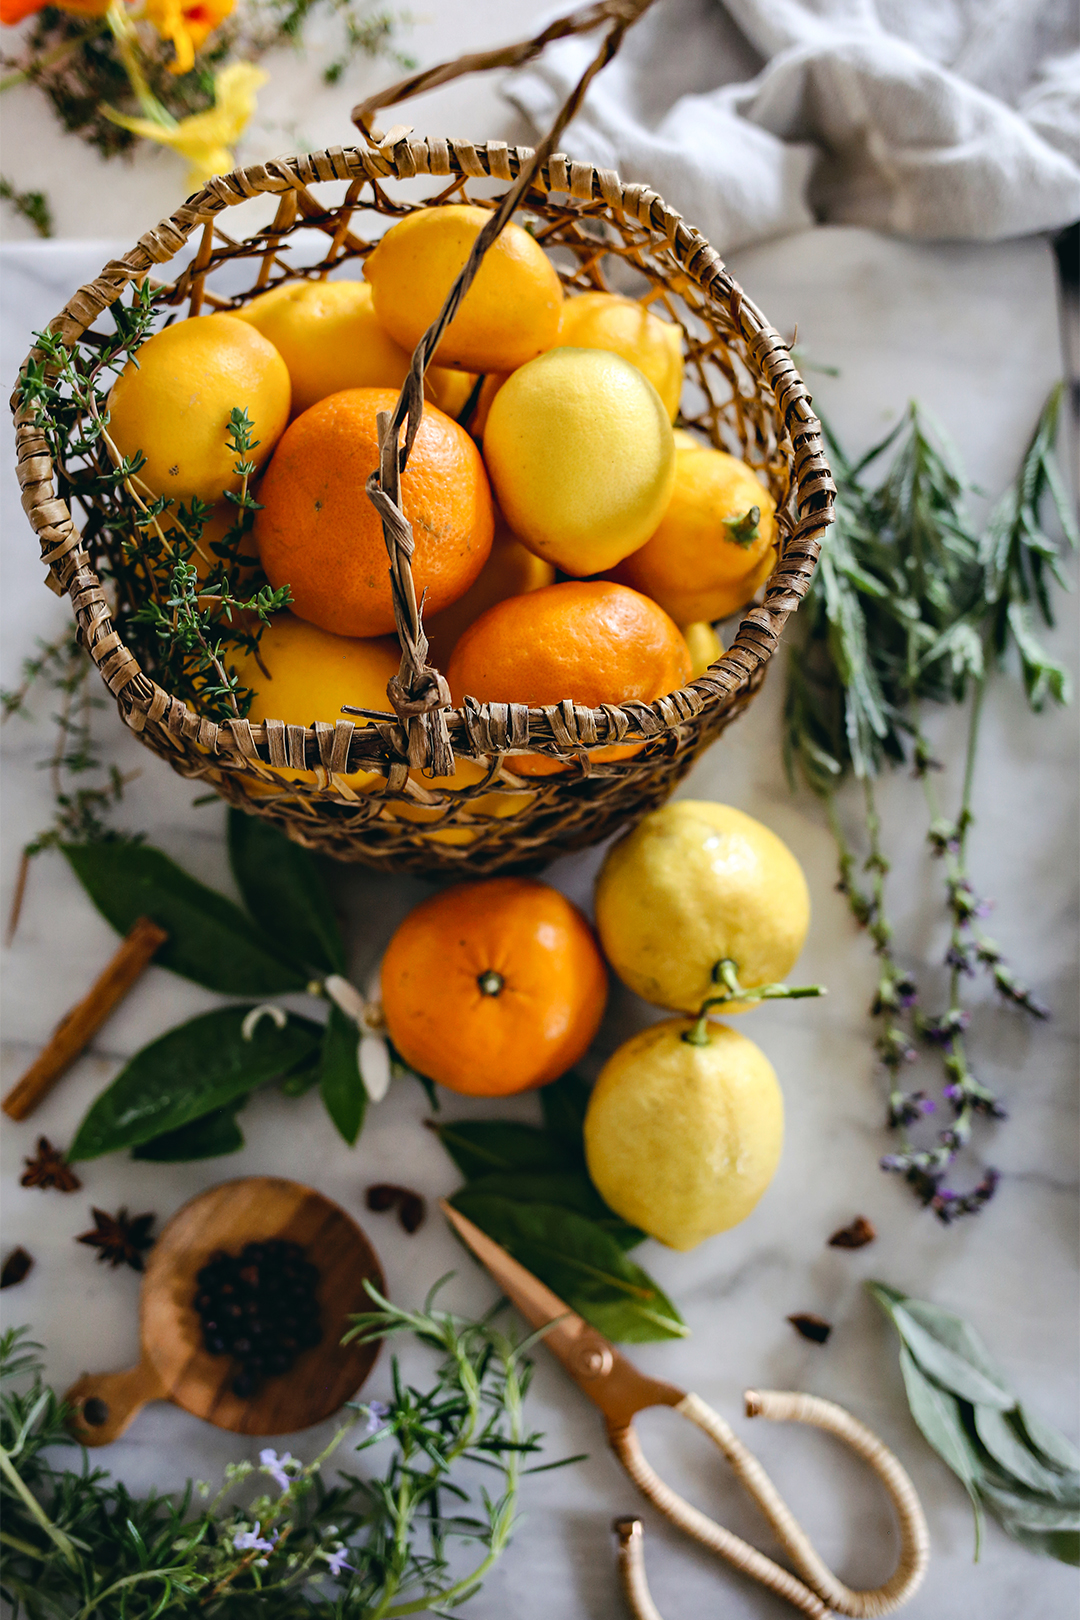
77,1027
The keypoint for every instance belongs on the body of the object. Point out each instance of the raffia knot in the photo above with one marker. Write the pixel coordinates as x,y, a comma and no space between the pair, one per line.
419,694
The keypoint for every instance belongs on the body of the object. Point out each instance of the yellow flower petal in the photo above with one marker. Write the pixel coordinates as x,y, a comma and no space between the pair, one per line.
205,138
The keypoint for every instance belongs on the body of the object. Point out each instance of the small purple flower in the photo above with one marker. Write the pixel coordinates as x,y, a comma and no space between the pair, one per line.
335,1561
253,1541
277,1467
378,1412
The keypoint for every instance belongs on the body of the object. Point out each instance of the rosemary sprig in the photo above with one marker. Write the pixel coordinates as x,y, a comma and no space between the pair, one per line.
78,1544
910,606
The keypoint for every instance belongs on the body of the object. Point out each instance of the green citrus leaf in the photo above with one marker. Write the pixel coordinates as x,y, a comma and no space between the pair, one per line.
210,940
340,1081
197,1067
210,1137
580,1262
567,1189
285,893
564,1103
481,1146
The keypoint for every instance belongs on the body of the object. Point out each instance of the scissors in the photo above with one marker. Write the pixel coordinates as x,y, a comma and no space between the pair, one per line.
603,1374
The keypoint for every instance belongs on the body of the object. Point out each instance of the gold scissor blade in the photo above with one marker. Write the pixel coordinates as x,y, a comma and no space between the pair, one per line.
592,1361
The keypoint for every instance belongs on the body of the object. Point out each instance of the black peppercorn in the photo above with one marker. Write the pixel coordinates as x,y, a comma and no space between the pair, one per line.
259,1307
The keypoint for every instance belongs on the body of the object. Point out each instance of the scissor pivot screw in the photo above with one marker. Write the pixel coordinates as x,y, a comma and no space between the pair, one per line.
594,1361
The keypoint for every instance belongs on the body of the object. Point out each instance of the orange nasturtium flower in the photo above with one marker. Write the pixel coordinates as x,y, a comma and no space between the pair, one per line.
188,23
13,11
205,138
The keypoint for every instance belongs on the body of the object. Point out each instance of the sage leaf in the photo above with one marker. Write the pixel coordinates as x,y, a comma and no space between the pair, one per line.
966,1370
567,1189
184,1074
1009,1450
1064,1545
1053,1446
284,891
209,1137
580,1262
340,1080
480,1146
937,1417
1027,1513
210,940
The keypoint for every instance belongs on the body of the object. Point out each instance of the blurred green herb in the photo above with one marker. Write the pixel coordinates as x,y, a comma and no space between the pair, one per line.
912,606
77,1543
33,206
1009,1461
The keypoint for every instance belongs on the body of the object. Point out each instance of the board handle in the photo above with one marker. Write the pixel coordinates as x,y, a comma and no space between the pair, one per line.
103,1404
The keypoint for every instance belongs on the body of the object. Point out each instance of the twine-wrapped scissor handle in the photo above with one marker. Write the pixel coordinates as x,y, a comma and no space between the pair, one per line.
820,1593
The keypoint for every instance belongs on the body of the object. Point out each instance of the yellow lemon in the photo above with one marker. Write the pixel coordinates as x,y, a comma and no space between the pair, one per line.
330,338
600,320
310,674
467,772
714,544
510,313
704,644
693,884
688,441
683,1140
510,570
580,453
175,404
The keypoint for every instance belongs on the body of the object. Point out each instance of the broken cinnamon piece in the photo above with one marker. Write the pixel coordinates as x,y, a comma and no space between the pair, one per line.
855,1236
814,1328
78,1026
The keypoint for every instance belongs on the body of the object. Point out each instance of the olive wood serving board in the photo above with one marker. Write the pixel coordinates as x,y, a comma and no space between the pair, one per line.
175,1366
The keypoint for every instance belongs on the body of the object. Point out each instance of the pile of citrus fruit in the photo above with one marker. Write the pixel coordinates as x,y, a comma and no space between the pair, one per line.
569,542
494,987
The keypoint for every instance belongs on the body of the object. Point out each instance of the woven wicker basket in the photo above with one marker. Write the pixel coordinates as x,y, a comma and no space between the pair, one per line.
747,396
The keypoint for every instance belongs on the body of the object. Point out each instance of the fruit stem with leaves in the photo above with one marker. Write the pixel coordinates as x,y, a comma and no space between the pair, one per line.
726,973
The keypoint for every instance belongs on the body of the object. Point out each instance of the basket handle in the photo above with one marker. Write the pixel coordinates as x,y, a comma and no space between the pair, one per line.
419,693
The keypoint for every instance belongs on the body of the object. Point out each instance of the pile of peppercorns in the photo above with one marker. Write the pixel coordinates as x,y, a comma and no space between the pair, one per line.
259,1307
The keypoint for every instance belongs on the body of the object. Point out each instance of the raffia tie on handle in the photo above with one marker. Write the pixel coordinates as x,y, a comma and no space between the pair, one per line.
419,694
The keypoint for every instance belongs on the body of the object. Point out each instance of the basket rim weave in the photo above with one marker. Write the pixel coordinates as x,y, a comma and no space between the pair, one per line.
475,729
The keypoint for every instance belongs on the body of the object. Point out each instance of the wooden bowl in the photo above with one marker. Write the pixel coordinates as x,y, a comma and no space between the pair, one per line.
175,1366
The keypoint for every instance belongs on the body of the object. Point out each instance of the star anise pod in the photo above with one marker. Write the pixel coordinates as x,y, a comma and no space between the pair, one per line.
49,1169
119,1238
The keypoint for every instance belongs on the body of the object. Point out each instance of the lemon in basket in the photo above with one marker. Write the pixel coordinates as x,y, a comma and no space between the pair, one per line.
330,338
175,405
693,884
600,320
302,674
581,457
510,313
713,547
682,1140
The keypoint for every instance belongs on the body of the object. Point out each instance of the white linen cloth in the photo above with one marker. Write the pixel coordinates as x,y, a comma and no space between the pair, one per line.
926,118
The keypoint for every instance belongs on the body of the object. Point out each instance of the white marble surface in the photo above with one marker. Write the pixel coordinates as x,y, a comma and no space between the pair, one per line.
972,331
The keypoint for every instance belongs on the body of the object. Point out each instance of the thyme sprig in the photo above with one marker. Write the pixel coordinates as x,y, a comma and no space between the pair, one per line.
172,585
78,1544
911,606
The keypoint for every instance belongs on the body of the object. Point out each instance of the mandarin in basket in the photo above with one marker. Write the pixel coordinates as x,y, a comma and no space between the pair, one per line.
510,570
581,456
174,405
600,320
714,544
319,534
509,315
588,640
493,987
302,674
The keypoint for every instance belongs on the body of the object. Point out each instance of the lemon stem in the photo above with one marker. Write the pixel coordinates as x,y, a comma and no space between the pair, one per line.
743,530
726,973
490,982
